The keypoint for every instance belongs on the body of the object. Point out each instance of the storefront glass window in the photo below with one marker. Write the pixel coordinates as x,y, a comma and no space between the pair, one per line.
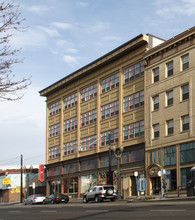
170,155
184,173
125,157
171,180
88,181
187,152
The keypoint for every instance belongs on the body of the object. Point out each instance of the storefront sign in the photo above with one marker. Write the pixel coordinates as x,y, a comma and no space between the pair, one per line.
15,190
6,181
41,173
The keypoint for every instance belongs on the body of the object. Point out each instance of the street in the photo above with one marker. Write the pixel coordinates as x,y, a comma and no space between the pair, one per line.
106,210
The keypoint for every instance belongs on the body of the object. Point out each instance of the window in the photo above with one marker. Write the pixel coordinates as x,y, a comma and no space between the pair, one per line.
185,123
110,83
156,103
170,127
70,101
187,152
134,71
55,108
54,152
55,130
110,110
88,165
185,62
137,155
170,155
133,101
70,148
88,143
70,124
156,131
156,75
70,168
113,137
89,93
89,117
185,92
154,156
133,130
170,69
170,98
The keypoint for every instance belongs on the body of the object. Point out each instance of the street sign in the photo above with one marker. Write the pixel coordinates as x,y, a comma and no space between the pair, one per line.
6,181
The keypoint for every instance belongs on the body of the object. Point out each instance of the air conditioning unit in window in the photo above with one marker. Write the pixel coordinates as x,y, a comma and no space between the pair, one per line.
81,149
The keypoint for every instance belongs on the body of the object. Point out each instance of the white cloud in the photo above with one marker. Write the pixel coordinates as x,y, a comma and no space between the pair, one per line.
111,38
170,9
61,25
32,37
37,9
71,50
99,26
71,60
49,31
82,4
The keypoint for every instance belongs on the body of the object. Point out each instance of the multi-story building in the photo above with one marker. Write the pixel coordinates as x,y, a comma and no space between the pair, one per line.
170,111
99,105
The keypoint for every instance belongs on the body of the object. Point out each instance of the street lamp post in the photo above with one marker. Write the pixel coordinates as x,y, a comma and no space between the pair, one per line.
110,177
118,154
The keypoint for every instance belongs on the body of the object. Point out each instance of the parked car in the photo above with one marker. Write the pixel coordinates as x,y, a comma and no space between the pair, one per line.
37,198
53,198
100,193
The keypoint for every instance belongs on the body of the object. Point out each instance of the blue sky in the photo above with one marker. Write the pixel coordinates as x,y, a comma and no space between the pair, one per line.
63,36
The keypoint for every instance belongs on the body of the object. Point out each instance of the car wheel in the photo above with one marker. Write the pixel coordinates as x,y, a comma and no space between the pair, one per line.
113,200
85,200
97,199
31,203
25,204
44,203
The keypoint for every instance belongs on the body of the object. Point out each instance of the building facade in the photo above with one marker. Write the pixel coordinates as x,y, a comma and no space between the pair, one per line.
170,112
97,107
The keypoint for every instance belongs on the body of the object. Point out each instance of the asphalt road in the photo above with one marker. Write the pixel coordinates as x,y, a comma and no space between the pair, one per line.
100,211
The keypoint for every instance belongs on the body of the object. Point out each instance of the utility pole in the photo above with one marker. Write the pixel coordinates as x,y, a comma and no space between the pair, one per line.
21,180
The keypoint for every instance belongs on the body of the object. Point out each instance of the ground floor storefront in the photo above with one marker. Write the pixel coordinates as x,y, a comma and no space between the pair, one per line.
75,176
169,167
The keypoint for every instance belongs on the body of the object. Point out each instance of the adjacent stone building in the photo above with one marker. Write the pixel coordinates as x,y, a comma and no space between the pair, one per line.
170,112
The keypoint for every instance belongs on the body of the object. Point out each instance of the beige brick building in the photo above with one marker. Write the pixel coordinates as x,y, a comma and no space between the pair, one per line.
170,111
105,97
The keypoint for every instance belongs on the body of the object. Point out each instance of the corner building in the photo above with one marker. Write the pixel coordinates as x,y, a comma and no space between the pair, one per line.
104,97
169,112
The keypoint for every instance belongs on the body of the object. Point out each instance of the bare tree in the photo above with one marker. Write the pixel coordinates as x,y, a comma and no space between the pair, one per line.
10,88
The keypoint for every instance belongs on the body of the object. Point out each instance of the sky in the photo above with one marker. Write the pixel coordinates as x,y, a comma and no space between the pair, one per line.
63,36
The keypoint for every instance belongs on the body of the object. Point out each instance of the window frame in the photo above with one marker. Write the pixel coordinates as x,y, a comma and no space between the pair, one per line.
185,64
155,103
89,117
185,94
185,126
155,74
109,110
133,130
129,102
70,101
70,124
112,82
133,72
89,93
170,69
156,131
169,99
170,129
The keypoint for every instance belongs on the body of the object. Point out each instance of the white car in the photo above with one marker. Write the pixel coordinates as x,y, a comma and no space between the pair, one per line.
37,198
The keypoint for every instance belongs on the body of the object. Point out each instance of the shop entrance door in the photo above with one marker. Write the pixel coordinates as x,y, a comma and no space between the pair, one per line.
156,185
133,186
